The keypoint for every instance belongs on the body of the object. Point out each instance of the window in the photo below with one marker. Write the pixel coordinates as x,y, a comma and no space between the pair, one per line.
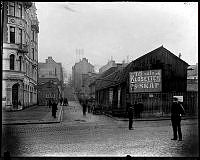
20,10
20,36
12,34
20,63
12,62
33,35
55,72
12,8
33,53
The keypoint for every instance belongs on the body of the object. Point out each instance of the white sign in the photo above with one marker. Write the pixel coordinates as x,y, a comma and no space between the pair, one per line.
180,98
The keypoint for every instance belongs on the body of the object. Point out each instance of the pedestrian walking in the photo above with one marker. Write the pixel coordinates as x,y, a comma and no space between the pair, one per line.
84,105
130,115
61,101
49,103
177,111
54,109
140,109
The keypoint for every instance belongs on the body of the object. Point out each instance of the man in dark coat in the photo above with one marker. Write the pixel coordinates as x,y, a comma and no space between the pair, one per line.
176,111
84,107
49,103
54,109
130,115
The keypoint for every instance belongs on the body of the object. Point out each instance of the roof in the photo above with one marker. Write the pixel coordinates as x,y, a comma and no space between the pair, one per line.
120,76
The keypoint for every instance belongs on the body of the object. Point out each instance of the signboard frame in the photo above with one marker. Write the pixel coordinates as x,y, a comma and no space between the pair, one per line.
145,81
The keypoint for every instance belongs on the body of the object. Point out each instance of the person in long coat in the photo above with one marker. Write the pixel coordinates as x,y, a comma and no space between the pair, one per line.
130,115
176,111
84,107
54,109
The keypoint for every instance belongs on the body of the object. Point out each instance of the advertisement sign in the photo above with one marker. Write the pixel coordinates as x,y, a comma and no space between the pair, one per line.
145,81
180,98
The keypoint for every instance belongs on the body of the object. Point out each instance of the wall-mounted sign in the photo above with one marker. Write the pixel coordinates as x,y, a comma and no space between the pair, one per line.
145,81
180,98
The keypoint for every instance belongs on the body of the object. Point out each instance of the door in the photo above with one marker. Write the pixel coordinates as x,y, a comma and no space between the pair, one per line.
15,89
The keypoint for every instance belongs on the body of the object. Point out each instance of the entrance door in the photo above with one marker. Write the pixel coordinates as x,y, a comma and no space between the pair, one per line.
15,89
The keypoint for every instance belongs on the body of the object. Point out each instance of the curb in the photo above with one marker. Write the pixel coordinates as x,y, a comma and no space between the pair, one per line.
37,122
146,119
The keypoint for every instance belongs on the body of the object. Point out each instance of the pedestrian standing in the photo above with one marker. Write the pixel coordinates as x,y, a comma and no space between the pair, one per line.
49,103
84,108
54,109
176,111
130,115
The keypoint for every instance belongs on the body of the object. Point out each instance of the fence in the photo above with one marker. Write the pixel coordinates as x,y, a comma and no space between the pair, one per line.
159,104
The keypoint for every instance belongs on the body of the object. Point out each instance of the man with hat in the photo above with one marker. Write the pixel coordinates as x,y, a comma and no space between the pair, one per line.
176,111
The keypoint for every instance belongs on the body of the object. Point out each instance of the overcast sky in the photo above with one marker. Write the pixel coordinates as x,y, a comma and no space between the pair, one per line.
121,30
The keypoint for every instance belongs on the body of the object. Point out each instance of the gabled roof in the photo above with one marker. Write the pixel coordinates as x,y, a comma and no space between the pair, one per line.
120,76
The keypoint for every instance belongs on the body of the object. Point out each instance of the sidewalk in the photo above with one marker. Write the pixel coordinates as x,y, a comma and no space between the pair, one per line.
149,118
32,115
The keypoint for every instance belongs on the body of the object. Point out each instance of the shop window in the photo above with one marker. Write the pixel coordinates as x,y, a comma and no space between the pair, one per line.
12,62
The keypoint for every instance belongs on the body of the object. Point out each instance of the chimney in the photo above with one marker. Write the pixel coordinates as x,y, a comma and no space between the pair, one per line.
179,55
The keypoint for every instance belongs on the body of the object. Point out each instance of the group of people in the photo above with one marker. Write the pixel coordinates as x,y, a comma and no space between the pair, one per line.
63,101
177,111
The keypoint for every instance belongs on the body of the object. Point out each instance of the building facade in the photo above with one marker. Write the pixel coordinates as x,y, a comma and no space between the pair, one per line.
152,79
20,54
80,74
51,69
48,91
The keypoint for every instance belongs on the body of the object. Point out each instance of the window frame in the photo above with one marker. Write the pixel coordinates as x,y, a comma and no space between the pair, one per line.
12,34
20,10
13,7
12,62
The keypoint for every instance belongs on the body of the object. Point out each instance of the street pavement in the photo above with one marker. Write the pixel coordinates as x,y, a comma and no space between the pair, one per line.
31,115
99,135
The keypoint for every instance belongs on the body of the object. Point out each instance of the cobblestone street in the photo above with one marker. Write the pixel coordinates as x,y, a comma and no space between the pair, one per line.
98,135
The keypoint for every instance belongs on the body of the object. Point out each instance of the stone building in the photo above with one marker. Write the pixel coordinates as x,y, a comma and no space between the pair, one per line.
20,54
51,69
80,75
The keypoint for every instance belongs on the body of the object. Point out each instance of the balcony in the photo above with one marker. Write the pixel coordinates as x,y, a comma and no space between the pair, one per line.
23,48
27,5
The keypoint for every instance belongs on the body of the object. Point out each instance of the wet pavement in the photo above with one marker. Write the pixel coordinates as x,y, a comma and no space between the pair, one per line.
99,135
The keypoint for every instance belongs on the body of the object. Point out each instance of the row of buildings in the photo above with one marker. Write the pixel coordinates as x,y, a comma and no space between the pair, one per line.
152,79
24,79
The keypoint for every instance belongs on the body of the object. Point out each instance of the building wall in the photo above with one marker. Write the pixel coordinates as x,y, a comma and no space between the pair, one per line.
24,47
78,70
46,92
51,69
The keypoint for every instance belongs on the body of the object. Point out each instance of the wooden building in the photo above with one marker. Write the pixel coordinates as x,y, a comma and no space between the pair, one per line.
152,79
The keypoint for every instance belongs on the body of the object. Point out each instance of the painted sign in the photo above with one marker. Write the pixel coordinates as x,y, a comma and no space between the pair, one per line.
145,81
180,98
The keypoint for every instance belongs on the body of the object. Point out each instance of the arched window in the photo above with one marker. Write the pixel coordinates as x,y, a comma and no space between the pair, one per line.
12,62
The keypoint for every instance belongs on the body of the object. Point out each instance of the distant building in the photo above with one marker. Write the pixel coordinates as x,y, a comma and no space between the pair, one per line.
48,91
51,69
111,64
80,75
20,54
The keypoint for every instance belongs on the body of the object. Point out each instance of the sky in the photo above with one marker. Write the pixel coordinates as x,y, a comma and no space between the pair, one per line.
101,31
